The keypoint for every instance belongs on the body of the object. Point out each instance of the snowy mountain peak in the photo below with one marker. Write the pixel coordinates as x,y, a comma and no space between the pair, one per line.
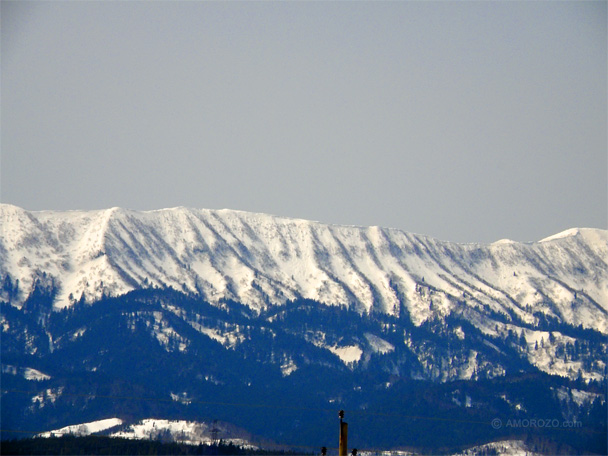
504,241
564,234
263,260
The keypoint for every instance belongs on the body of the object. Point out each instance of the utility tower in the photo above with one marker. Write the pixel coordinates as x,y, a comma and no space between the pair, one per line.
214,432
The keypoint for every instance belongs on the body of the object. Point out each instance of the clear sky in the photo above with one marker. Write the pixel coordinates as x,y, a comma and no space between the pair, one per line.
467,121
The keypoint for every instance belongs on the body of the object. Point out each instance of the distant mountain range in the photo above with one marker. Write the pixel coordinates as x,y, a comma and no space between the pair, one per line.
261,260
193,309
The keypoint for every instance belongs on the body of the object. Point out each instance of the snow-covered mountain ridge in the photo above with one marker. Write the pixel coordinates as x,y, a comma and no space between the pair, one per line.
261,260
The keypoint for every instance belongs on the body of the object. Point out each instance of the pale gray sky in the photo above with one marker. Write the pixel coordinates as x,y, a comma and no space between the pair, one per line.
467,121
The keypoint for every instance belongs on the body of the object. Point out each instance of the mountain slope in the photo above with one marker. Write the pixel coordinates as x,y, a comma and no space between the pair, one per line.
262,260
274,324
282,374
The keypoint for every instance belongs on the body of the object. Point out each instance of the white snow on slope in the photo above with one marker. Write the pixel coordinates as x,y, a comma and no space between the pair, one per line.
580,398
348,354
502,448
48,396
563,234
84,428
262,260
189,432
378,344
288,368
35,375
27,372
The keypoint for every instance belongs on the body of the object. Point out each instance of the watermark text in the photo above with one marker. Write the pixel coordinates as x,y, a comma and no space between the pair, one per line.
541,423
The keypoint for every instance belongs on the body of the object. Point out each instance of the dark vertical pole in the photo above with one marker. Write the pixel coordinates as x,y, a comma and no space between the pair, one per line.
214,432
343,446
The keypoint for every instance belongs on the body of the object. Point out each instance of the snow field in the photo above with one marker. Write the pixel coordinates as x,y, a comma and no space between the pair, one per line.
263,260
